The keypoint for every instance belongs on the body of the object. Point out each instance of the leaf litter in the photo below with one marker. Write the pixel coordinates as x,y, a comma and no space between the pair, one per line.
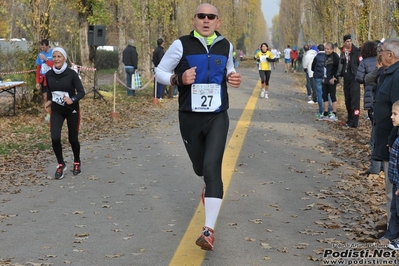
356,214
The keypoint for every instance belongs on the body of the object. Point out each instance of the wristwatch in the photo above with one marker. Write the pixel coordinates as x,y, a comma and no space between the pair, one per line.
175,79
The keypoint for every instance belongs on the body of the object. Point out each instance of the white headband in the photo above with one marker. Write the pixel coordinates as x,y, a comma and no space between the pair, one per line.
61,50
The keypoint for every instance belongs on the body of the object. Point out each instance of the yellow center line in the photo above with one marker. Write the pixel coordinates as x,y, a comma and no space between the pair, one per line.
187,253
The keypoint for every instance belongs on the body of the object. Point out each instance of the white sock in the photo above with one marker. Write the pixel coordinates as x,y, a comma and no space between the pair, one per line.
212,208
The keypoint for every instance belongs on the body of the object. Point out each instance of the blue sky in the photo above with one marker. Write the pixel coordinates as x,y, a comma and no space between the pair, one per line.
270,8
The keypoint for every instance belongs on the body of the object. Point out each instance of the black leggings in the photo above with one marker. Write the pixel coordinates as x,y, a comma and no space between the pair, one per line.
265,76
204,136
58,115
293,63
352,101
329,89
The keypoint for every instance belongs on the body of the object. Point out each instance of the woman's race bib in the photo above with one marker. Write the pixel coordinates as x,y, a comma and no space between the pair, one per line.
205,97
58,96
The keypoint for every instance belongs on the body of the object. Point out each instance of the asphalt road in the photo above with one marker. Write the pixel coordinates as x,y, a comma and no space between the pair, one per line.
137,194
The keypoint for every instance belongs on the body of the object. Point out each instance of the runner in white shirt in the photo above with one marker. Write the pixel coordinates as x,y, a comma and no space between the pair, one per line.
287,58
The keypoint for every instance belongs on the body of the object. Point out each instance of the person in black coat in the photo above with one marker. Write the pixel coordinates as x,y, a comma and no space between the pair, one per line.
330,81
349,62
387,94
318,75
130,60
156,58
367,65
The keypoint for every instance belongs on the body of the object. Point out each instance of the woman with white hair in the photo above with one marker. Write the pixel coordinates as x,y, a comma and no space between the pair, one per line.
65,89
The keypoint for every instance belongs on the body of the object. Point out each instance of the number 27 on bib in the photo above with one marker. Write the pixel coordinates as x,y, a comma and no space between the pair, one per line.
205,97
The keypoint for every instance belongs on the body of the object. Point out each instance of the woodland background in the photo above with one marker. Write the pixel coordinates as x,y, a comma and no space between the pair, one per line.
25,147
299,22
66,22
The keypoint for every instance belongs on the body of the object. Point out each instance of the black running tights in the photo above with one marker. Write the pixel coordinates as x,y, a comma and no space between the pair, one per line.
204,136
58,115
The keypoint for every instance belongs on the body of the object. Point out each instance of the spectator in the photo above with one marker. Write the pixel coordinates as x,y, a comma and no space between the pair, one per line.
318,75
44,62
299,60
307,60
156,58
65,90
392,233
349,62
130,60
367,65
203,125
294,58
236,54
287,58
374,76
330,81
241,54
387,93
235,58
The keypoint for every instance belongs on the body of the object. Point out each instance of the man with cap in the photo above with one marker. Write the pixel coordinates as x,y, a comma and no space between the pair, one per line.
294,58
349,62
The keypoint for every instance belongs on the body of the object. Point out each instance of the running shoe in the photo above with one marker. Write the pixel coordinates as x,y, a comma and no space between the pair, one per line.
266,96
262,93
322,117
206,239
59,173
76,168
394,244
333,118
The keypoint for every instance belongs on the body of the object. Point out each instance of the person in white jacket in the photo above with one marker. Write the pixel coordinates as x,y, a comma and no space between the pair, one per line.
310,53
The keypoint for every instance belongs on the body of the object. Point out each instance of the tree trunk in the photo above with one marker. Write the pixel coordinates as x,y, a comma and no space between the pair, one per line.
119,11
86,54
145,45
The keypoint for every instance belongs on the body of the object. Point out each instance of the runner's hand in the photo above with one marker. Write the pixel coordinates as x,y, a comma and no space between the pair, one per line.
234,79
189,76
68,100
47,106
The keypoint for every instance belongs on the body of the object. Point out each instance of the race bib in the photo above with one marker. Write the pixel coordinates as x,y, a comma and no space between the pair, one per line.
44,68
58,97
263,58
205,97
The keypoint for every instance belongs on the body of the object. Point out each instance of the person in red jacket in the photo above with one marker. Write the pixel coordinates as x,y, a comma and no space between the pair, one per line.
294,58
44,62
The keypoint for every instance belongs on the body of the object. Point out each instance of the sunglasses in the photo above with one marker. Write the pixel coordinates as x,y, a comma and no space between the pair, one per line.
204,15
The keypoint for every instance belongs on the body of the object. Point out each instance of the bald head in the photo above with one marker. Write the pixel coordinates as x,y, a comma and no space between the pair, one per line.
208,7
